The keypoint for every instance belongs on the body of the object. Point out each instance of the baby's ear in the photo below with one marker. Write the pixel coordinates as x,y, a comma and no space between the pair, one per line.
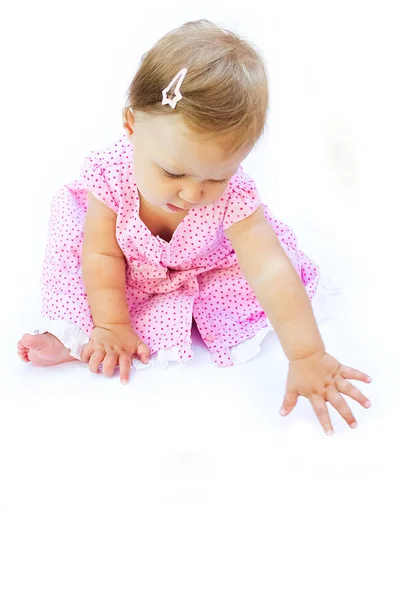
127,120
123,117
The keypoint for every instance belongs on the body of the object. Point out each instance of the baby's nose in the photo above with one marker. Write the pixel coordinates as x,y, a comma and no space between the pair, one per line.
192,194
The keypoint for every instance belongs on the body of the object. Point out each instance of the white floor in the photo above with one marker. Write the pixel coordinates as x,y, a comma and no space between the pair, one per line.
189,480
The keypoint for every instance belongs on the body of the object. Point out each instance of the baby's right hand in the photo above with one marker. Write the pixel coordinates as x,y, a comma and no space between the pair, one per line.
114,345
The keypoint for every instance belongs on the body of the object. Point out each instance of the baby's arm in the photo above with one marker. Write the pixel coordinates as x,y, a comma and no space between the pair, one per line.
313,373
103,266
112,340
277,285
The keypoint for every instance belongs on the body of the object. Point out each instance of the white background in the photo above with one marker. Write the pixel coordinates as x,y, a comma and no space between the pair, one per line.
187,483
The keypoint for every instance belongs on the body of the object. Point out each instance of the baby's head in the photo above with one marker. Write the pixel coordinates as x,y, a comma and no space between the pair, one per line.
221,115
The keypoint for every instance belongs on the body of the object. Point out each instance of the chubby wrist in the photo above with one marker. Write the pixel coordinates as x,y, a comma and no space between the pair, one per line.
302,354
111,324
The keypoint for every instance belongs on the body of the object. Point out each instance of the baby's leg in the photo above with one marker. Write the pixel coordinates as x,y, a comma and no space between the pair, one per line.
64,301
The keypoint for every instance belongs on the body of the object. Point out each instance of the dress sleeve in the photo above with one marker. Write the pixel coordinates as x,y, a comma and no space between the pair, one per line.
96,179
242,199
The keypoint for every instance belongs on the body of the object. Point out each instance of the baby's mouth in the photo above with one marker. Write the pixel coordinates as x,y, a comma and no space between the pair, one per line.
175,208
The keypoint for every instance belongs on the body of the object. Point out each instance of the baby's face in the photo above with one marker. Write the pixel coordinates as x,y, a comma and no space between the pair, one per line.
174,169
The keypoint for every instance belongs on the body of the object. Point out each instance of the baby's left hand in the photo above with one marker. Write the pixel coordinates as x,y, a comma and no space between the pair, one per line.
321,379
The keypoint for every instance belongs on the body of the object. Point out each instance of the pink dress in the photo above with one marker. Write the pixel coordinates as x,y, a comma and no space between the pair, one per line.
194,276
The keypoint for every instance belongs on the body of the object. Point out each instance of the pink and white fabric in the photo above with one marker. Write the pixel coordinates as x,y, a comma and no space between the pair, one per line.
194,276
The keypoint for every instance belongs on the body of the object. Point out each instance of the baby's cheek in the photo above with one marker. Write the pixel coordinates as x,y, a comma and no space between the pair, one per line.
154,189
168,191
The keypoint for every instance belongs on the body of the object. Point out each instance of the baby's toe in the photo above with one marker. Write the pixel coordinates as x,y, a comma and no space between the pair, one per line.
32,341
22,351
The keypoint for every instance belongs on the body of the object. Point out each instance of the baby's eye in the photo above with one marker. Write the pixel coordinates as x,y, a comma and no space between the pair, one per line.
173,176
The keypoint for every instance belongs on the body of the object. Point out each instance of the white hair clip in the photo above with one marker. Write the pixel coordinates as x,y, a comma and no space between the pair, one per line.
177,95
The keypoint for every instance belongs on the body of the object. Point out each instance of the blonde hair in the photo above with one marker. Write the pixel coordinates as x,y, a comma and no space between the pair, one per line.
225,91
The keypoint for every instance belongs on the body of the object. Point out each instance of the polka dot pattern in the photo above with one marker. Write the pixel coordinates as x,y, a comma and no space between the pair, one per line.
195,275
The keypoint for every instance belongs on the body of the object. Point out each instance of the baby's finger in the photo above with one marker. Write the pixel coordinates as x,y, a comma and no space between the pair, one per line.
87,352
339,403
349,373
143,352
125,364
95,360
321,410
347,388
289,402
109,363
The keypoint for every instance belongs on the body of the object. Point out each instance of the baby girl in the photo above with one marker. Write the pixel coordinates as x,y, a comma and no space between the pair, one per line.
164,227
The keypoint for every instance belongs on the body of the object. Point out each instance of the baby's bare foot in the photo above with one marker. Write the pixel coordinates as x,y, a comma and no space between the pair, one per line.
42,349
